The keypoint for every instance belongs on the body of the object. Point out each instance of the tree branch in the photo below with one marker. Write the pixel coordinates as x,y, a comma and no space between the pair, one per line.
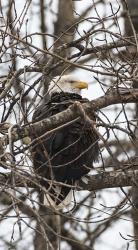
96,182
115,96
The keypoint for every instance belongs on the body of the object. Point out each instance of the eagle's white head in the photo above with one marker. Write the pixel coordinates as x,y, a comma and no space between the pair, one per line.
67,83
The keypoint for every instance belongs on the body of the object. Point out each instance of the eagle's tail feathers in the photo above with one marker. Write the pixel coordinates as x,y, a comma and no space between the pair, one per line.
48,201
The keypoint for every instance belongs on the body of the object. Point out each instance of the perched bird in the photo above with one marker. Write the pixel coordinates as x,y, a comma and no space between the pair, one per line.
67,154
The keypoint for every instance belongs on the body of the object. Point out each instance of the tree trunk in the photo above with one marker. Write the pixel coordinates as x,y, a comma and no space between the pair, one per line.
64,32
131,29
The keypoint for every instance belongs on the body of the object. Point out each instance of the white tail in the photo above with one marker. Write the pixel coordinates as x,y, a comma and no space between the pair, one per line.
50,203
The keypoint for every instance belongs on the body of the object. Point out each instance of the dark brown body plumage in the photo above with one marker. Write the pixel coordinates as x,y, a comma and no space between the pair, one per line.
67,154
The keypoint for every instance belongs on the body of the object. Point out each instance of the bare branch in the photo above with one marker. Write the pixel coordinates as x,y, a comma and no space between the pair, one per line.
95,182
112,97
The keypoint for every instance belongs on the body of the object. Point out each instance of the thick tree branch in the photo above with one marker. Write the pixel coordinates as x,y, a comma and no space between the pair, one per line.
95,182
115,96
110,180
128,41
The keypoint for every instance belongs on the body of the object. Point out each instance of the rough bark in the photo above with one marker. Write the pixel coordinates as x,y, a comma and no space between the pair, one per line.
64,33
131,28
122,178
75,111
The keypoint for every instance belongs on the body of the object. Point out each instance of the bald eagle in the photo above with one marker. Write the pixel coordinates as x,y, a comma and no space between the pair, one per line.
63,156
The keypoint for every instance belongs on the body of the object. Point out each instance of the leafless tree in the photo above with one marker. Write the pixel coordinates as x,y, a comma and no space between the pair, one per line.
98,40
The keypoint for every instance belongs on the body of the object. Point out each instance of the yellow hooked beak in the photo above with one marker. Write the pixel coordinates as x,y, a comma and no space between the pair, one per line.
81,85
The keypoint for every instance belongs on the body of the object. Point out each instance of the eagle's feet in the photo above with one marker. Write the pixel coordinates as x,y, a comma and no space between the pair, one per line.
85,179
